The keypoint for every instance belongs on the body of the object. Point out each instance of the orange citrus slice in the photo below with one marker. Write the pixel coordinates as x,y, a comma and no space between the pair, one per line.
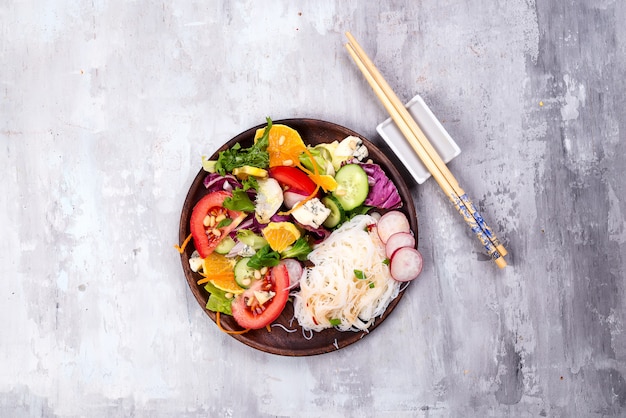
284,146
219,270
326,182
280,235
228,284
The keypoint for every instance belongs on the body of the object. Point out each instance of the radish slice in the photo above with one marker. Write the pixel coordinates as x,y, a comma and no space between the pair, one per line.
294,269
392,222
291,198
397,241
406,264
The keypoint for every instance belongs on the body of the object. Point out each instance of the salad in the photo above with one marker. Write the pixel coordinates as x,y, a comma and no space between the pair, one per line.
277,214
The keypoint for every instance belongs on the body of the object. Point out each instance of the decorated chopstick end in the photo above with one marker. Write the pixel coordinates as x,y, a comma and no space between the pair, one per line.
494,249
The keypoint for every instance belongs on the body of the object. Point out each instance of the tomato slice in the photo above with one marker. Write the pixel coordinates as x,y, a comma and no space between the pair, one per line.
207,237
247,310
294,179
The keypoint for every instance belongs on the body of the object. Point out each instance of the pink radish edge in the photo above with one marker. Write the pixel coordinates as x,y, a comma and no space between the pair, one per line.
391,223
291,198
397,241
406,264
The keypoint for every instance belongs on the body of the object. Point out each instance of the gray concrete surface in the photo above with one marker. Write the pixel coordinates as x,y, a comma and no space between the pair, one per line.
107,107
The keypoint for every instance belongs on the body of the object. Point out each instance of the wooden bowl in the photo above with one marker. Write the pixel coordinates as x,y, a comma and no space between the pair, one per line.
279,341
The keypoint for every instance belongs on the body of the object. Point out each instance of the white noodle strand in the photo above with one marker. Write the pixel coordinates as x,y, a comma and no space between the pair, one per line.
330,290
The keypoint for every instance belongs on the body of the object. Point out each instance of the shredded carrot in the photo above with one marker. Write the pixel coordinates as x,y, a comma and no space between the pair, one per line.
302,202
204,280
181,249
309,173
268,327
314,175
219,325
315,171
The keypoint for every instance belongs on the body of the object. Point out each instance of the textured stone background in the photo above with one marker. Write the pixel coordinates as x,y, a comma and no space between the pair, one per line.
107,106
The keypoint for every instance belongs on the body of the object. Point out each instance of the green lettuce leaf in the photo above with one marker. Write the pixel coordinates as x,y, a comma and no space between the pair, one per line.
218,302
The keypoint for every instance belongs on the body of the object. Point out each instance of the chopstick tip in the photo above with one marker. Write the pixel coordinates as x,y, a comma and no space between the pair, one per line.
500,262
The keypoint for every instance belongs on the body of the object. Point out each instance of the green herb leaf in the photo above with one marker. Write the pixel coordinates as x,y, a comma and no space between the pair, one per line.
250,183
386,261
255,156
240,201
335,321
263,142
372,285
359,274
265,257
299,250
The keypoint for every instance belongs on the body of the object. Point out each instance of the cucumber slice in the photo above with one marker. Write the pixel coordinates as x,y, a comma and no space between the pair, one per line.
244,275
337,214
225,246
352,186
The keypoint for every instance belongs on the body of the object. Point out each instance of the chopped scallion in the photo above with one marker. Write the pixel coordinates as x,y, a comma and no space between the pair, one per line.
359,274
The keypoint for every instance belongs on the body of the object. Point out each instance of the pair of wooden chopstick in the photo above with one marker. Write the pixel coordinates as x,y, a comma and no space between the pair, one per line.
425,151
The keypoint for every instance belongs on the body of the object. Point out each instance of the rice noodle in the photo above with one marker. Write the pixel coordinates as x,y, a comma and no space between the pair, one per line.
330,289
284,327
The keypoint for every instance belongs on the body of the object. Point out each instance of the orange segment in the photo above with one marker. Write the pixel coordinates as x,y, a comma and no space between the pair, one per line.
228,284
215,265
326,182
284,146
219,270
280,235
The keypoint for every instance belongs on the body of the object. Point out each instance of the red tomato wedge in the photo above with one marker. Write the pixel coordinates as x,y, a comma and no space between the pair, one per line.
251,314
208,234
293,179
